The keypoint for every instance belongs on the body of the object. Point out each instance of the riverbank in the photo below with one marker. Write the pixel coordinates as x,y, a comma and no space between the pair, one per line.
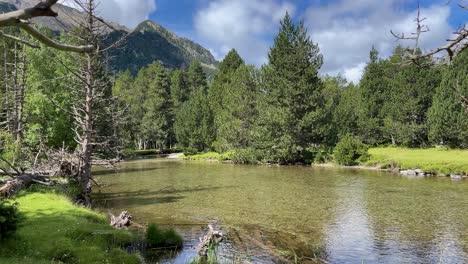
55,230
432,161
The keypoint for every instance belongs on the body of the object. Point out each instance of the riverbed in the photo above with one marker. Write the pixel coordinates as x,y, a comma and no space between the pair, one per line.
275,214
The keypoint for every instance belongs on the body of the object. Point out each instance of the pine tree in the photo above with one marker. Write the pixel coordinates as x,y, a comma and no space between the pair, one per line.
291,100
157,117
180,88
235,119
197,77
448,116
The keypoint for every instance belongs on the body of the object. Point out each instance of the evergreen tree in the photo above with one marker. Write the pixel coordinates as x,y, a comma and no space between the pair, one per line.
291,100
157,108
194,123
235,119
197,77
374,86
180,88
448,116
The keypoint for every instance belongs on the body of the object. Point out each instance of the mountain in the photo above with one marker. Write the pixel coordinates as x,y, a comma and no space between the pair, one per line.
147,43
150,42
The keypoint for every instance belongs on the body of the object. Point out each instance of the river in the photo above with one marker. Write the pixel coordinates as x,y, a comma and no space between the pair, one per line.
274,214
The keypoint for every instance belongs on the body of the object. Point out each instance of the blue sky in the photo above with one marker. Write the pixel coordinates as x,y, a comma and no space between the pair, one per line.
344,29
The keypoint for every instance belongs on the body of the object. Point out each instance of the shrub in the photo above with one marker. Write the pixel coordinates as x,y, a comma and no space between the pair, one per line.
245,156
350,151
190,151
157,237
9,219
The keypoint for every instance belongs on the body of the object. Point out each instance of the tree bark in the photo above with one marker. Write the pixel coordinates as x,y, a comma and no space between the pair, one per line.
18,183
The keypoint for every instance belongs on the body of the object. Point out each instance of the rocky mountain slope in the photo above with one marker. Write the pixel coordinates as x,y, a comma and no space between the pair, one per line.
147,43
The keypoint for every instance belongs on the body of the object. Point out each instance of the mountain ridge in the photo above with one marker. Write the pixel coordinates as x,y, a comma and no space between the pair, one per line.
147,43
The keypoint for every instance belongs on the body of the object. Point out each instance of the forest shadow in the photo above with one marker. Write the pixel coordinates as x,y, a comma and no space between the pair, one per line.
147,197
133,201
125,170
166,191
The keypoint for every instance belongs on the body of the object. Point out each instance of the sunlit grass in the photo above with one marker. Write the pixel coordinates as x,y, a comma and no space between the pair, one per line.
209,156
435,160
56,231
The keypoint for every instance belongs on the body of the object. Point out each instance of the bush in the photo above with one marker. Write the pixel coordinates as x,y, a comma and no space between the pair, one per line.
157,237
190,151
350,151
245,156
9,219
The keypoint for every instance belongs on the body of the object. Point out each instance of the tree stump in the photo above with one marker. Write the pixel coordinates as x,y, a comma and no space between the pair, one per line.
211,238
124,220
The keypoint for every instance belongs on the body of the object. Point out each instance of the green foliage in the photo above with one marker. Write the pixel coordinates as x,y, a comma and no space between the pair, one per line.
235,116
290,105
9,219
209,156
246,156
162,238
190,151
193,124
13,151
46,98
397,99
448,117
350,151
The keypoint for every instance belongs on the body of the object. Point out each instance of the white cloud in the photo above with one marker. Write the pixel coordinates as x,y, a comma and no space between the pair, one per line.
125,12
245,25
347,29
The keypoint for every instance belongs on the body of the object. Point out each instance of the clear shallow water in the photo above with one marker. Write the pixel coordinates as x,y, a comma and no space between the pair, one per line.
324,214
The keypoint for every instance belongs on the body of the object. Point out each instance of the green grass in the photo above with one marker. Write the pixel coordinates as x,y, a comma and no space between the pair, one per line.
209,156
56,231
163,238
435,160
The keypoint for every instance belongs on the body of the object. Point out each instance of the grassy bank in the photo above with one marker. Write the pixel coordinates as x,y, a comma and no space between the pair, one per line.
209,156
435,160
56,231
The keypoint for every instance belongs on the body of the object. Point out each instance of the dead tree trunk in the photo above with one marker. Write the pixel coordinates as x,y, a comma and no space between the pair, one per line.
124,220
18,183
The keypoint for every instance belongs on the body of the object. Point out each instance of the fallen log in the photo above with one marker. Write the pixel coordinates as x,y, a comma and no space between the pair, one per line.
18,183
124,220
211,238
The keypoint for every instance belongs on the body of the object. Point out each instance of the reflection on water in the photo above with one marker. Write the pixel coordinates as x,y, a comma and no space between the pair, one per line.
332,215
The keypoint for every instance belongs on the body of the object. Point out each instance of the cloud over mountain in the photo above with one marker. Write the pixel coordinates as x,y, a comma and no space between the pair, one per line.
125,12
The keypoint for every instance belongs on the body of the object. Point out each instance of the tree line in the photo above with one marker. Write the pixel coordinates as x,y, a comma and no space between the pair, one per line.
283,112
286,112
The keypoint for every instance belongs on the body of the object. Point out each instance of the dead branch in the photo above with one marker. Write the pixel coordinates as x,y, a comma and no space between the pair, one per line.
21,19
52,43
452,48
39,10
20,40
211,238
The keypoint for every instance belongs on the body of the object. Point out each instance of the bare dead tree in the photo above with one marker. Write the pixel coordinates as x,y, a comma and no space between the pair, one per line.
453,47
91,89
